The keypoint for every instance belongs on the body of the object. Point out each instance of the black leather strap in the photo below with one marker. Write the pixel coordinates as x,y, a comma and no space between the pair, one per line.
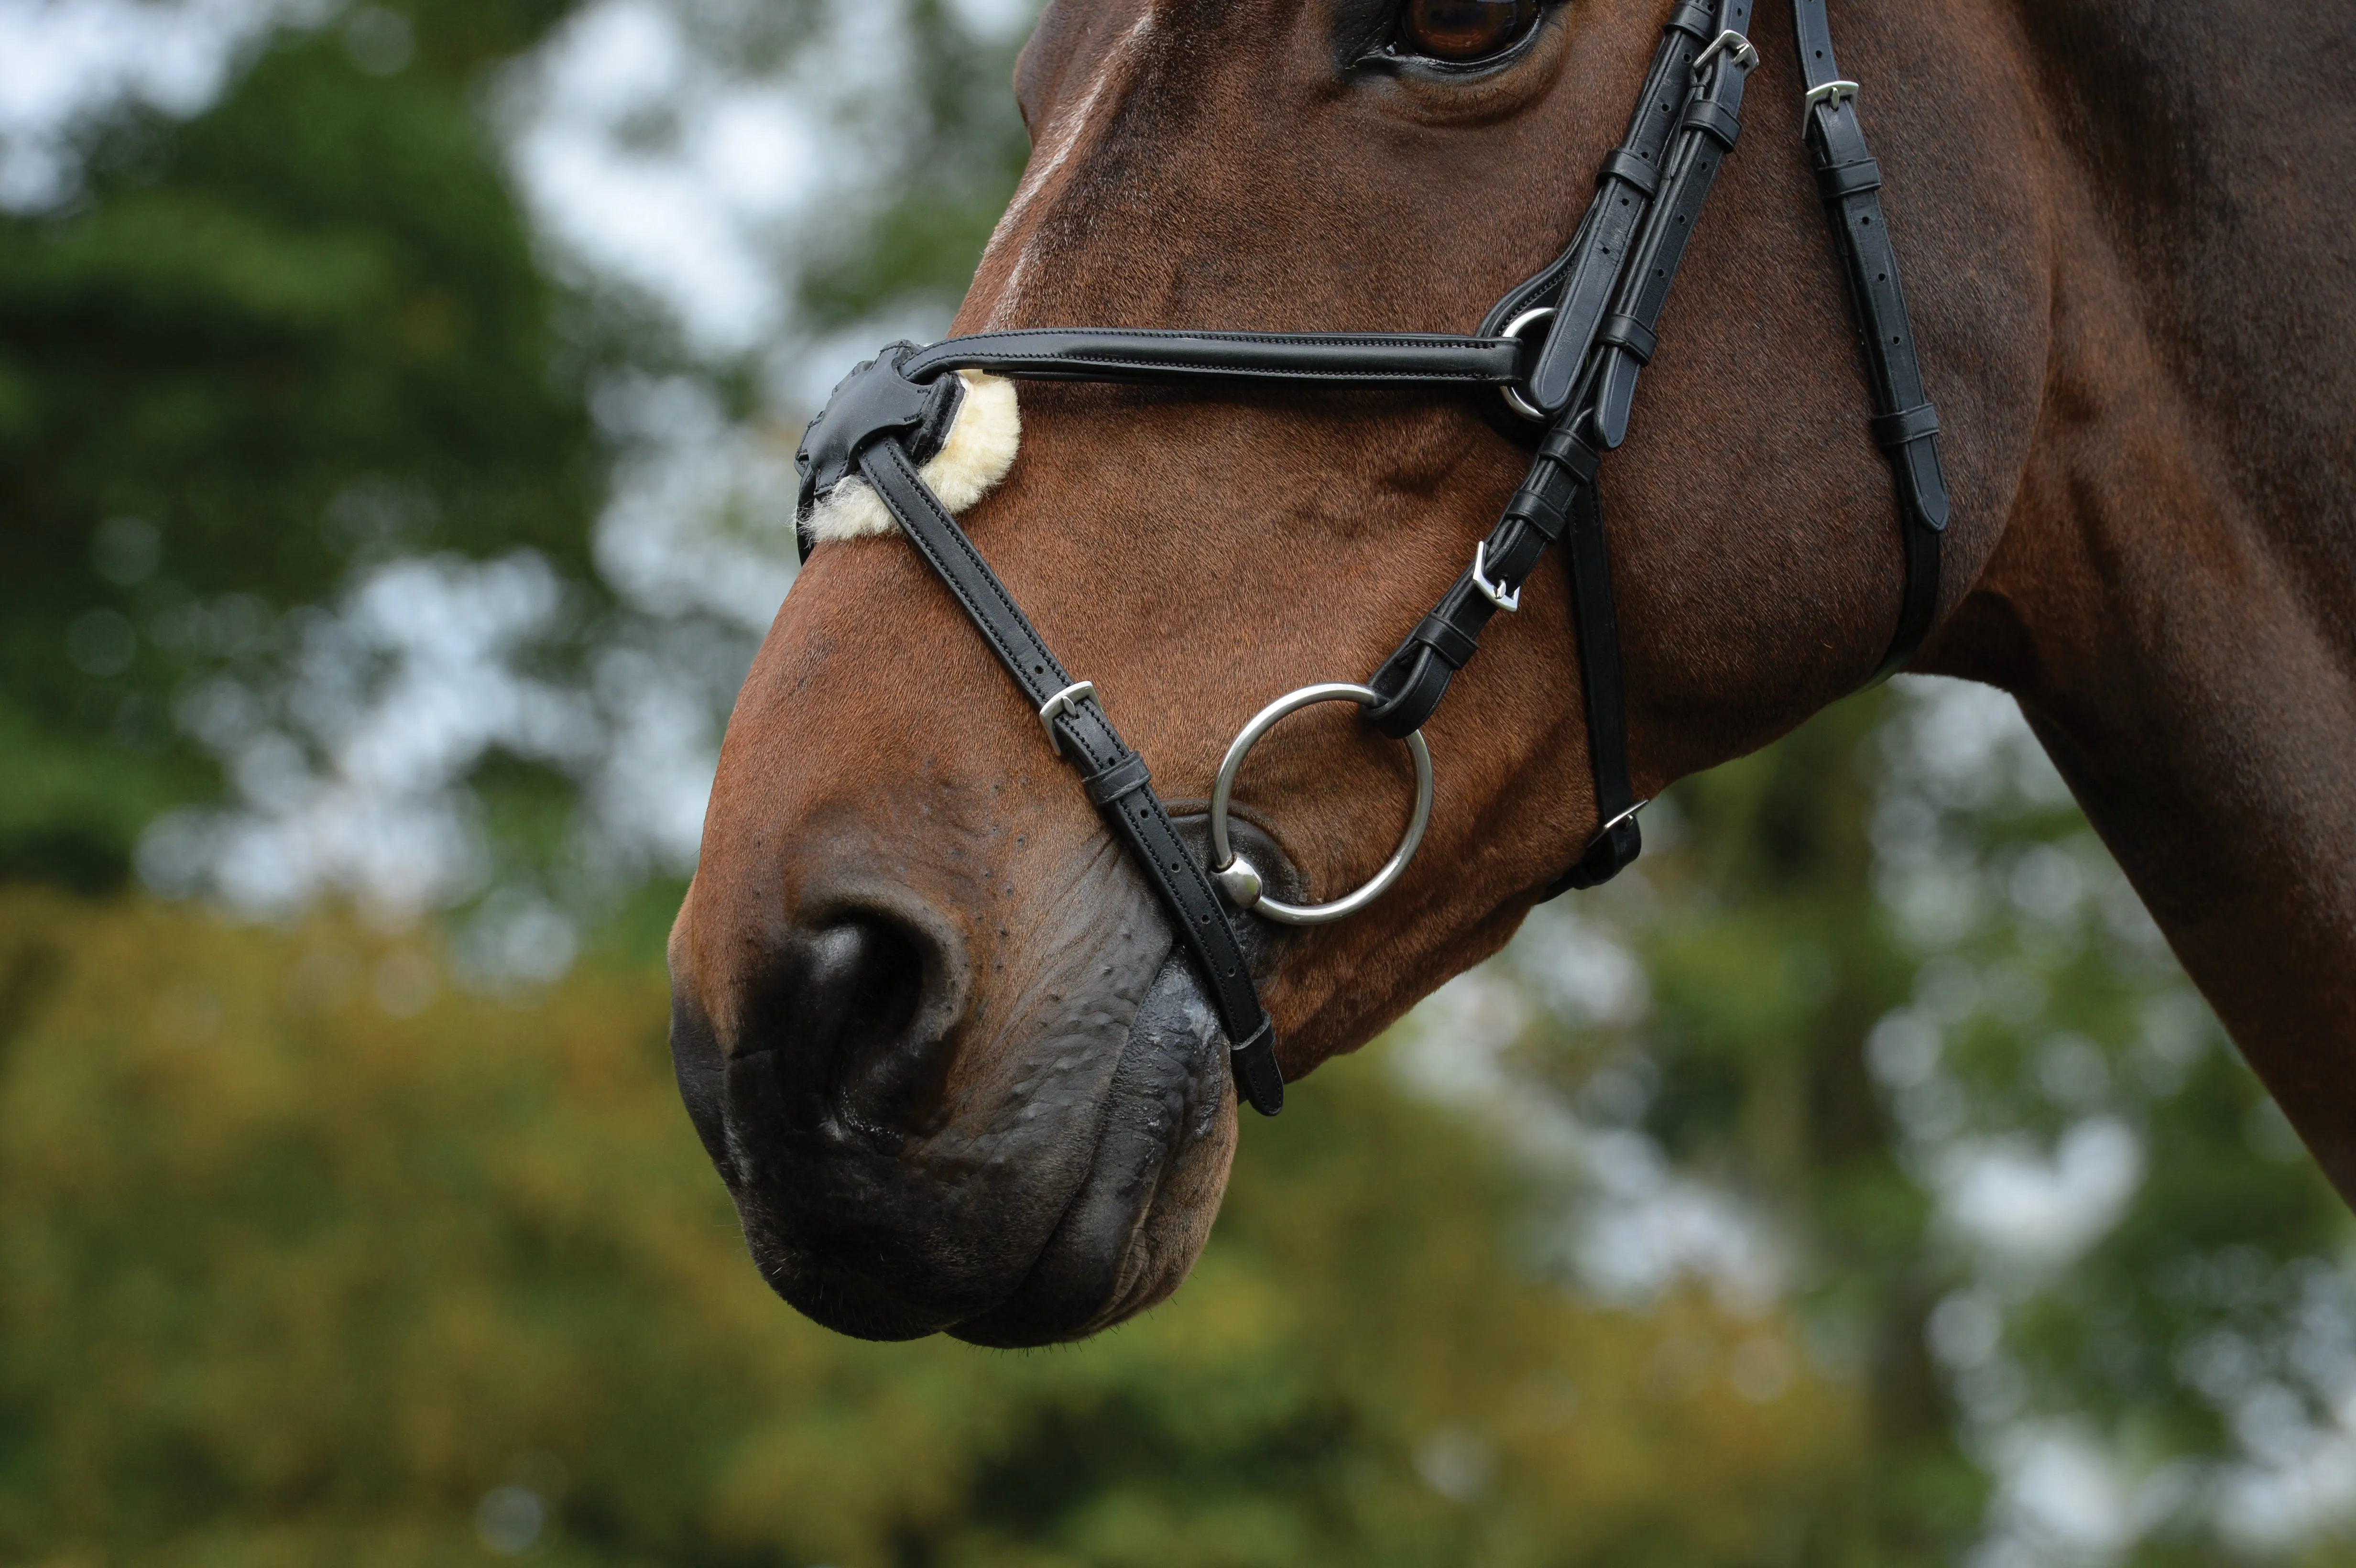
1589,273
1414,679
1619,841
1707,130
1060,354
1560,494
1114,776
1904,424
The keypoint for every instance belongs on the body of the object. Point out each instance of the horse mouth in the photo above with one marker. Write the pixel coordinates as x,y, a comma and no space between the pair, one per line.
1098,1220
1118,1248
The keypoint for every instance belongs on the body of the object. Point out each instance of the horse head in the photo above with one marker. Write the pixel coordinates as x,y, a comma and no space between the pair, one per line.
931,1021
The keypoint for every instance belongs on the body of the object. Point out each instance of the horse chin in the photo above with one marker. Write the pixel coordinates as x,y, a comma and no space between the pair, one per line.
1140,1216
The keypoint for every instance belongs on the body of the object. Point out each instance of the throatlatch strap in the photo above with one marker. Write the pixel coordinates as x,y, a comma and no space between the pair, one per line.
1619,840
1904,423
1116,776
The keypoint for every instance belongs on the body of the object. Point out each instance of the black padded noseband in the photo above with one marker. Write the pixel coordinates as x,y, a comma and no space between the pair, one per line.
1600,304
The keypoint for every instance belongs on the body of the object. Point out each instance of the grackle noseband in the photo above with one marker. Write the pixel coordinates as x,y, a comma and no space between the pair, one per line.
1599,306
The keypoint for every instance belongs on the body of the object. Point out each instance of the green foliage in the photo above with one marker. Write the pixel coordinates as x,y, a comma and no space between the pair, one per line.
304,330
302,1256
1865,976
1767,960
953,151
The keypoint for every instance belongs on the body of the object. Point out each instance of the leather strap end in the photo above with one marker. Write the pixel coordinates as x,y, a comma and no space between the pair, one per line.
1124,778
1922,482
1628,168
1714,121
1615,397
1260,1082
1849,179
1611,853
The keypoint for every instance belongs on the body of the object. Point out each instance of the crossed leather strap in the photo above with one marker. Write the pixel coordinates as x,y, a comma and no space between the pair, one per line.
1600,304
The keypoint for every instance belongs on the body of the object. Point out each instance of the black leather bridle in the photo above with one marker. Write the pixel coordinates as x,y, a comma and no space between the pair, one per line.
1600,304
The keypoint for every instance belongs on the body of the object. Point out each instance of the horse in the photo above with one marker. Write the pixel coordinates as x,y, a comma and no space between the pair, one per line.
934,1027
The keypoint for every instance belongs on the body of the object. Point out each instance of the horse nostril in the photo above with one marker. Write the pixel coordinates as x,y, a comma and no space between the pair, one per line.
864,994
845,1027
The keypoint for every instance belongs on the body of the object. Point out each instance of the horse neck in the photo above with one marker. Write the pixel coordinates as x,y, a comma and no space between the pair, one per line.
2172,599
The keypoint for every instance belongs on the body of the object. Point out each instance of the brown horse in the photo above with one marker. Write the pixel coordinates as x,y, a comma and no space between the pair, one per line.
929,1020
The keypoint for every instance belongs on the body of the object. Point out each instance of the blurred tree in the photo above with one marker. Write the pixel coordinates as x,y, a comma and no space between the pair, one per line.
1768,979
954,146
305,329
1898,1005
305,1259
1766,962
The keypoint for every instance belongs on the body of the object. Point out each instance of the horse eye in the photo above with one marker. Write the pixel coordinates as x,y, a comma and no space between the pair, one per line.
1464,30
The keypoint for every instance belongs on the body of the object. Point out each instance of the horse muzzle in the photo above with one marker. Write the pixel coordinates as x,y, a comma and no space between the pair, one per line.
912,1150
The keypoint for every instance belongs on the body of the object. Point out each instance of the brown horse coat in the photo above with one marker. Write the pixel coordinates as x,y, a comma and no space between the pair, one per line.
928,1020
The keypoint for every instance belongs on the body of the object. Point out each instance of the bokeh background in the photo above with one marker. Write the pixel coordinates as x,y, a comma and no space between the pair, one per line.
395,410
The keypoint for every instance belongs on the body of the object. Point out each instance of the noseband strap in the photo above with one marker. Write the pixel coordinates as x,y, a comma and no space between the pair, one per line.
1365,360
1601,303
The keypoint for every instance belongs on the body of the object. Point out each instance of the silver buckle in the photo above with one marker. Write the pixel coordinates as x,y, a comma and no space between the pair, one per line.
1494,592
1514,398
1830,92
1628,815
1729,42
1065,703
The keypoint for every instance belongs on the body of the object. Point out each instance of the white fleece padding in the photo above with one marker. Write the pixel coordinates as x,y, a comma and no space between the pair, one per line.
980,449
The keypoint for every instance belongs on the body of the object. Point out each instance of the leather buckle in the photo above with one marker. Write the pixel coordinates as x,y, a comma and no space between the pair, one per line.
1729,43
1830,92
1063,704
1494,592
